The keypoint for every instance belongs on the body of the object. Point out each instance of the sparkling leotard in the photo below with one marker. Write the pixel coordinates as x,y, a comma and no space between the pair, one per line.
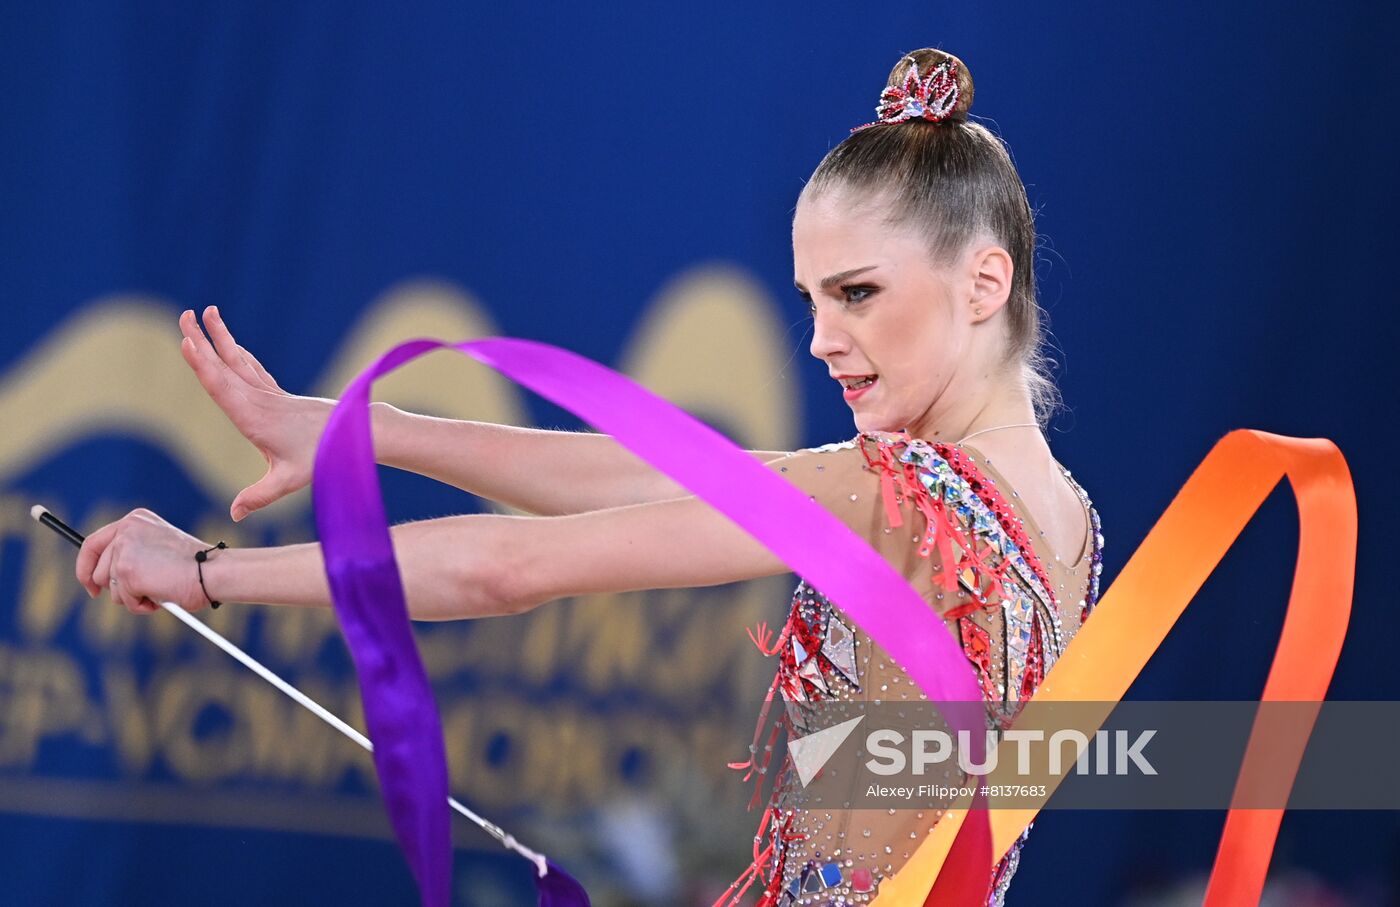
923,506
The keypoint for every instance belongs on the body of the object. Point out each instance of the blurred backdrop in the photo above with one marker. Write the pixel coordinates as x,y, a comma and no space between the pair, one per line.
1215,188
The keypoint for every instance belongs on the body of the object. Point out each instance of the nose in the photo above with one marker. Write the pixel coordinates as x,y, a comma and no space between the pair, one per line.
828,339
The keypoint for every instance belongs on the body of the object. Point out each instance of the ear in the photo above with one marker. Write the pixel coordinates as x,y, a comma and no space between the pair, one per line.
991,270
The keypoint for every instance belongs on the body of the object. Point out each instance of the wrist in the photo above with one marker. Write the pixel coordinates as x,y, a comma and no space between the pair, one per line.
282,575
201,557
384,420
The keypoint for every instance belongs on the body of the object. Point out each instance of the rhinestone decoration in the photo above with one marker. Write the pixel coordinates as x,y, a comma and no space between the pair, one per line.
840,648
998,598
932,97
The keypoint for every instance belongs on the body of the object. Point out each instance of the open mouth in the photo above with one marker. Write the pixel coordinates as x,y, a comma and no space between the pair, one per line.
854,388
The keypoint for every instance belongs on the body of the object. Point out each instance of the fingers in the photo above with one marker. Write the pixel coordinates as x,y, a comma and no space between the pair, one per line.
214,384
257,496
136,604
102,573
233,355
118,589
127,596
214,375
89,555
189,326
99,563
258,367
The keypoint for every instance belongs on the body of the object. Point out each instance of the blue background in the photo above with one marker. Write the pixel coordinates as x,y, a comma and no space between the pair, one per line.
1215,187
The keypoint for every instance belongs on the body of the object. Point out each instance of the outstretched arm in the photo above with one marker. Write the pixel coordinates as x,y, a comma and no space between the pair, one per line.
450,568
477,565
539,471
534,470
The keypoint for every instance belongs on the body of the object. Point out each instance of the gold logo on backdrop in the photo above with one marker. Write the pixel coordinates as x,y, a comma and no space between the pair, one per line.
170,714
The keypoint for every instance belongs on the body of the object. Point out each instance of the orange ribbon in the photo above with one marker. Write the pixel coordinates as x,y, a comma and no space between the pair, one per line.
1135,615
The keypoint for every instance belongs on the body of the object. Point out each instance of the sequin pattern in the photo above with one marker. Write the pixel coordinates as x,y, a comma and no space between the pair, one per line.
997,597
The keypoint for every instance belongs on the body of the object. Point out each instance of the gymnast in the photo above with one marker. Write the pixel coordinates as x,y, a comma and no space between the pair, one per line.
913,246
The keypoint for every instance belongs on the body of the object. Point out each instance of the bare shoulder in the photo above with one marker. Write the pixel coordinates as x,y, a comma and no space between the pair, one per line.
844,477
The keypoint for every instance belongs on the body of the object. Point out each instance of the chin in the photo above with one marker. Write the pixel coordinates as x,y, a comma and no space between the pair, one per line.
875,422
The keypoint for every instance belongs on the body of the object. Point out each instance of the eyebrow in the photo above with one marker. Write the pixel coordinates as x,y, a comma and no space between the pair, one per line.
829,282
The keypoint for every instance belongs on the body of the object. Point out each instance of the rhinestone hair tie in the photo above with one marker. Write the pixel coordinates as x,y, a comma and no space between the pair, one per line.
933,98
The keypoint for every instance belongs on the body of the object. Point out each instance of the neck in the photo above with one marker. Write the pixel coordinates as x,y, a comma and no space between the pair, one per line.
1001,402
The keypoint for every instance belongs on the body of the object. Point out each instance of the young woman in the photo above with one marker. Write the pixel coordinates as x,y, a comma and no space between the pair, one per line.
914,244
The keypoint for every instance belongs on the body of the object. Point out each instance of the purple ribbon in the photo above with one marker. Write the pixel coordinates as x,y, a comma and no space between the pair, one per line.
368,597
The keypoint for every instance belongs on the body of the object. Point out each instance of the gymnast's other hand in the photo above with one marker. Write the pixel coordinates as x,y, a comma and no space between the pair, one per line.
285,428
143,560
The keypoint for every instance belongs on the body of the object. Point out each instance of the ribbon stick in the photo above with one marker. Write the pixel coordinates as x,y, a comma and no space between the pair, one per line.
1137,613
542,864
368,597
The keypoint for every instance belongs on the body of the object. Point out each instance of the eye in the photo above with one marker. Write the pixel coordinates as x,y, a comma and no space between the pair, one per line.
858,293
807,298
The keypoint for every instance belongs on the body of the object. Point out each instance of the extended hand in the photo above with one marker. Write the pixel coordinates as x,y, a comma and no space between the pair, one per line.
143,560
284,427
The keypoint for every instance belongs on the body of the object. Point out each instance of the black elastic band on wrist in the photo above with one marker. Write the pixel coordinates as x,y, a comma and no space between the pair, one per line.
199,558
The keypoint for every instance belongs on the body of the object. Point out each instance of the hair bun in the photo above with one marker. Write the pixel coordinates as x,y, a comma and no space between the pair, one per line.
942,95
